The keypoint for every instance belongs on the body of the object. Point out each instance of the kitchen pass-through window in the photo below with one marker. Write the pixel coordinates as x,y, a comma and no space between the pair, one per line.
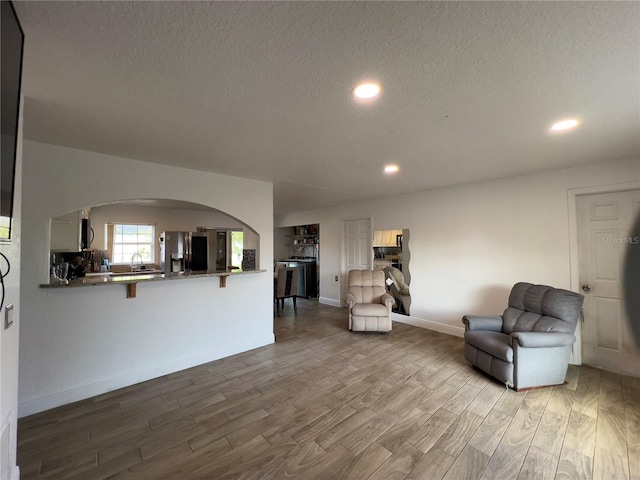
126,240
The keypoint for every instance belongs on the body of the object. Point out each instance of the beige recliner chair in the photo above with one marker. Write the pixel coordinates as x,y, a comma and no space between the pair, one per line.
368,301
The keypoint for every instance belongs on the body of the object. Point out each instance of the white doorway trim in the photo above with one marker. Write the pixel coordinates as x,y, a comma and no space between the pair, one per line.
574,259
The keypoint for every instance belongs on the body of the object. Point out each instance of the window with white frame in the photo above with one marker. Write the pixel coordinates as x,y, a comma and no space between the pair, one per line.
126,240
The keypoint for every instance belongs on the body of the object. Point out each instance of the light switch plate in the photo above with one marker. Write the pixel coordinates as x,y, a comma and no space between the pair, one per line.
8,316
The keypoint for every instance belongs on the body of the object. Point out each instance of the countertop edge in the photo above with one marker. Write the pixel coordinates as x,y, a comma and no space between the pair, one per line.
129,279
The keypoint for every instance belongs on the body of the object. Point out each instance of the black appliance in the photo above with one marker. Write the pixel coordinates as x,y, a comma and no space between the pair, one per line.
184,252
11,67
308,276
79,262
86,234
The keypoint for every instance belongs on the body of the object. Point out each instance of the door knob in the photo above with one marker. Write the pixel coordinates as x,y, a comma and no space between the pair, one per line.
586,287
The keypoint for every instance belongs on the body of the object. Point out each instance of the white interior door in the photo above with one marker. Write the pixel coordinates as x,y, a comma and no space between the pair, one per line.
358,250
605,221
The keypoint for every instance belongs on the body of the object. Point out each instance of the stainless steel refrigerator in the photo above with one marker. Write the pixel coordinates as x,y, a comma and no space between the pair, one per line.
184,252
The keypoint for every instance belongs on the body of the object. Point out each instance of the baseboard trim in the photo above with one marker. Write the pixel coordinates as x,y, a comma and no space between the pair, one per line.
40,404
329,301
416,322
429,324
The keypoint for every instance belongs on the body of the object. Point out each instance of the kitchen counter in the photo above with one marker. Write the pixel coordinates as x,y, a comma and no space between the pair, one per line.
137,273
130,280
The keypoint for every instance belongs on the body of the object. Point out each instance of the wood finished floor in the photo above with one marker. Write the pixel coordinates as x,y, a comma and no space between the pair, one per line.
325,403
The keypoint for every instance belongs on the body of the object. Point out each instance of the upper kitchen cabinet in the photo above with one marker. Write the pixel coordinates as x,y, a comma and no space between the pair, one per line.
387,238
70,232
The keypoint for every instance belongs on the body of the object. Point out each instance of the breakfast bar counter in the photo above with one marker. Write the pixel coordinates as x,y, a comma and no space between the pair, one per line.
132,279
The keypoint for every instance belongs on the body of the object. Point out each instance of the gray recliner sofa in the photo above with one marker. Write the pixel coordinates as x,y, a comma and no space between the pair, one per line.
530,343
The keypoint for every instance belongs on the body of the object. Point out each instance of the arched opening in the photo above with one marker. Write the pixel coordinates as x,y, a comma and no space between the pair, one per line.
128,234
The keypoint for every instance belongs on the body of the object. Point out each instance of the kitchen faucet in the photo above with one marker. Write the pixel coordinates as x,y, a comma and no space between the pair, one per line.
133,264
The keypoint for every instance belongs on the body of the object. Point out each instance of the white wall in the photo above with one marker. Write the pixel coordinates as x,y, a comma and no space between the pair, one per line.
281,243
469,244
79,342
9,339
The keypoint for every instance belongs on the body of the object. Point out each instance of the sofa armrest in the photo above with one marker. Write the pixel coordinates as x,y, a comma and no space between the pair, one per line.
492,323
387,300
351,300
543,339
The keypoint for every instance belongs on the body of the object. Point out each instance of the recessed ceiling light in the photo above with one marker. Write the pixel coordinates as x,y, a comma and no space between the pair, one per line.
366,90
391,168
564,125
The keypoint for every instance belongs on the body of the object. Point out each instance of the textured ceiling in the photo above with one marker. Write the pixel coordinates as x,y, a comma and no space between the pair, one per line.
262,89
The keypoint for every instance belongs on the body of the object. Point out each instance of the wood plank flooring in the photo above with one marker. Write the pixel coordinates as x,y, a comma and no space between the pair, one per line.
325,403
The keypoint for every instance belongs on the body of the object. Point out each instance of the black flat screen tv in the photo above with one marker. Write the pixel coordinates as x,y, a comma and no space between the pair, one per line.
11,48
